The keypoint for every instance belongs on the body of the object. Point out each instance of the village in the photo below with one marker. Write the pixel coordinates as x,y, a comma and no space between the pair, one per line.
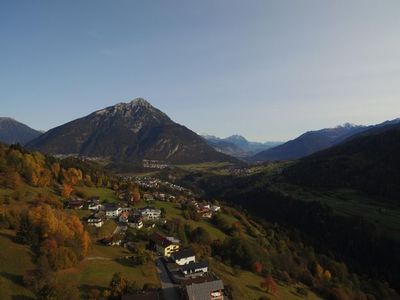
182,274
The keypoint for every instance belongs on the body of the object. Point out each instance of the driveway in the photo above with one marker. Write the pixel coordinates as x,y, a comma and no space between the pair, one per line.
170,290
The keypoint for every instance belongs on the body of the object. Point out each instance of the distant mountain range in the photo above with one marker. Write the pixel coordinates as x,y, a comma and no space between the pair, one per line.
314,141
237,145
368,161
14,132
127,133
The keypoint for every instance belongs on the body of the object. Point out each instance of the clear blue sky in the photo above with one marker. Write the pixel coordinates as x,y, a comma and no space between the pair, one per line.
266,69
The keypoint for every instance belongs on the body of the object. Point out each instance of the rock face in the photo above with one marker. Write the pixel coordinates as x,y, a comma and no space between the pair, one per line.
14,132
128,132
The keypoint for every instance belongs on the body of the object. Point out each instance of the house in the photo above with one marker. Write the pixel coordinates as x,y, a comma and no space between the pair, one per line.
194,269
112,210
95,221
115,240
164,245
76,203
210,290
150,214
148,197
207,215
183,257
123,217
94,204
160,196
215,208
135,222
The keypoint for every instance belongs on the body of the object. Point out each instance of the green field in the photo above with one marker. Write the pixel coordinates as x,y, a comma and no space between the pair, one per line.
173,211
15,261
103,193
219,168
98,268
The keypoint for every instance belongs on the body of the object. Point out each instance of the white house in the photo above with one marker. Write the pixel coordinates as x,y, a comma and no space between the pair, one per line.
195,269
94,205
150,214
184,257
148,197
135,222
112,210
215,208
95,221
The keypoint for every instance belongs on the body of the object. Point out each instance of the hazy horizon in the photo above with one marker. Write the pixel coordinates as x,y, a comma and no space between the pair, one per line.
267,70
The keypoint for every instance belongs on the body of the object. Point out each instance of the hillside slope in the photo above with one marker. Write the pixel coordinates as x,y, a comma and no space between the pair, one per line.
368,162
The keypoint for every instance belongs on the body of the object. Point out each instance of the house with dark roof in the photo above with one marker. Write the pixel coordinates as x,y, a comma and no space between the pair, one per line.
95,220
75,204
210,290
112,210
183,257
164,245
194,269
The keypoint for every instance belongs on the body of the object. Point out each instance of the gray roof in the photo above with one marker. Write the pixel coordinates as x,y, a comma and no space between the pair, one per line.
202,291
183,254
111,206
195,265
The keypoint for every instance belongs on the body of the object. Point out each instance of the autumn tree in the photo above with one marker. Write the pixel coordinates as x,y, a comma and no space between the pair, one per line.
135,193
258,267
66,190
59,239
118,284
270,285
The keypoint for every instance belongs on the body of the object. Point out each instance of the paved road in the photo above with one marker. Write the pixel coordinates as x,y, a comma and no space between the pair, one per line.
120,228
170,290
97,258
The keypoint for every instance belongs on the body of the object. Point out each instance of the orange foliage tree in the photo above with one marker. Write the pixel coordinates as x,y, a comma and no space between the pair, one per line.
270,285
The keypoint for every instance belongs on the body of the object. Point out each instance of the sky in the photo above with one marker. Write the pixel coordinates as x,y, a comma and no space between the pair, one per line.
268,70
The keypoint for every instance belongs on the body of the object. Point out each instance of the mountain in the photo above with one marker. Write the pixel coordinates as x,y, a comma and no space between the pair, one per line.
14,132
128,133
237,145
368,162
309,143
224,147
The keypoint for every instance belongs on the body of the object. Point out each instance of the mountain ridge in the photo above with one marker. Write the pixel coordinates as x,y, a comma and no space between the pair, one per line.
313,141
237,145
15,132
128,132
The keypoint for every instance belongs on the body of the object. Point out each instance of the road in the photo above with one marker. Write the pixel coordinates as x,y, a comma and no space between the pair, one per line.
120,228
170,290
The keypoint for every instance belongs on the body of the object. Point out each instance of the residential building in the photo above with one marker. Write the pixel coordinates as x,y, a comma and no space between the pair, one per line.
94,204
112,210
95,221
215,208
148,197
76,203
211,290
183,257
194,269
135,222
123,217
150,214
164,245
